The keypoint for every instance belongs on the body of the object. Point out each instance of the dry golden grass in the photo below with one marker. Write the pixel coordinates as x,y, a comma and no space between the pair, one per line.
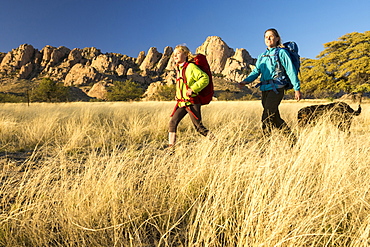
97,174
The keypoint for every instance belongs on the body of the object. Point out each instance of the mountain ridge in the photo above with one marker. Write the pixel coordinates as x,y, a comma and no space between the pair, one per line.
93,72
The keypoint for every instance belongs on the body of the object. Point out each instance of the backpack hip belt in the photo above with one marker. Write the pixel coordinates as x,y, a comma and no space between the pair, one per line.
271,82
186,106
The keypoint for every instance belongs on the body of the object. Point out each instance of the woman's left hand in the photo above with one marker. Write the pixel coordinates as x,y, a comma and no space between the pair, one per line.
241,84
297,95
189,92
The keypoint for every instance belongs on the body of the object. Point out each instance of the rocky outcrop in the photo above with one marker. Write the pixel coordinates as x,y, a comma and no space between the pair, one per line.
151,59
152,90
74,57
53,56
140,58
164,59
131,75
46,55
170,65
58,55
90,52
105,63
94,71
121,70
81,75
217,52
2,55
17,58
237,66
99,90
25,71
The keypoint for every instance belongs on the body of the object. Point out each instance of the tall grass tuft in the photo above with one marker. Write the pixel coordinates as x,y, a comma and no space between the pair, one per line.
97,174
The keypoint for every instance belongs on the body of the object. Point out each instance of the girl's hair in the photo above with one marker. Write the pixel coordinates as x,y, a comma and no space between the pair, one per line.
185,49
276,33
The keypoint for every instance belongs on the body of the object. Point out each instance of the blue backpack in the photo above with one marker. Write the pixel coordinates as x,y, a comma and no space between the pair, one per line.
292,48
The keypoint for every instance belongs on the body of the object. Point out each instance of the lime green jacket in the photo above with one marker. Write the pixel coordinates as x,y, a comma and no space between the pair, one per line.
196,79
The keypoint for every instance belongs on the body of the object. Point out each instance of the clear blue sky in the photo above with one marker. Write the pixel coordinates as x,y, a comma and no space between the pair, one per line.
130,26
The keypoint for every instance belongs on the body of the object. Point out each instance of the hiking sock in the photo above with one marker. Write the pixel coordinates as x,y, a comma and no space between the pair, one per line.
171,138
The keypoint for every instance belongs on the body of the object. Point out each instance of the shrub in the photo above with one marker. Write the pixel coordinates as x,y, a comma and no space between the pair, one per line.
12,98
50,91
125,91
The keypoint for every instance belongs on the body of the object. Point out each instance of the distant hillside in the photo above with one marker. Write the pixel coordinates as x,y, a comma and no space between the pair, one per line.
90,73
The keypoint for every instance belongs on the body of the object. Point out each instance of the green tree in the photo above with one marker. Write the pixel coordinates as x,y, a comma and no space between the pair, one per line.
344,66
50,91
125,91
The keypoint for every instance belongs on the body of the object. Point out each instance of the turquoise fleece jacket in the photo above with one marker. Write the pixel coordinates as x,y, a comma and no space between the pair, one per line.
265,66
196,79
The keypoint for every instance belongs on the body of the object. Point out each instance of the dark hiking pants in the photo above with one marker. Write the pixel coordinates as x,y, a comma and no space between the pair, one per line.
195,116
271,115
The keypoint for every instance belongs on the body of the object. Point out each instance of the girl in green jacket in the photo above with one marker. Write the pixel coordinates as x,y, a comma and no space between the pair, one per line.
196,80
273,93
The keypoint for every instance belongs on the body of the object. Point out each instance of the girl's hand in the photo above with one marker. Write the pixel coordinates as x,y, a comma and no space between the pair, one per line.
189,92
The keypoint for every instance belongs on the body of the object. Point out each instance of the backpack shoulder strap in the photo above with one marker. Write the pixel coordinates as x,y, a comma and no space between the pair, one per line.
183,74
277,54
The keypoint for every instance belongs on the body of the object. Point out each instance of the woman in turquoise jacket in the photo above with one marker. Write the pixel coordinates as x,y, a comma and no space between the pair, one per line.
273,91
196,80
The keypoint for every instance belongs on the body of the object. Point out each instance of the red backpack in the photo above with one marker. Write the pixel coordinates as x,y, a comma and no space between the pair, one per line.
205,96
